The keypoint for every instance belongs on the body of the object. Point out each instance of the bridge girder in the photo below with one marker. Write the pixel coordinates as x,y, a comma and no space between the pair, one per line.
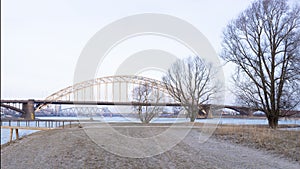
75,110
12,108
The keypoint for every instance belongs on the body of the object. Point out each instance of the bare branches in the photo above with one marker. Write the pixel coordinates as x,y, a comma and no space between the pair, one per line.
145,93
264,43
189,81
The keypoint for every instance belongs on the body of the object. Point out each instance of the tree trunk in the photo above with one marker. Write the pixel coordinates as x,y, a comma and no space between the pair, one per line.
193,116
273,121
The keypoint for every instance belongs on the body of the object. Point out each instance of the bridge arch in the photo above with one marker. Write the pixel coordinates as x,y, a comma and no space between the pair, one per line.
242,110
110,88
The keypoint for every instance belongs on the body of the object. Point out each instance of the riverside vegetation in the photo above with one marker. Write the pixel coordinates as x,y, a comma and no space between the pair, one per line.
285,143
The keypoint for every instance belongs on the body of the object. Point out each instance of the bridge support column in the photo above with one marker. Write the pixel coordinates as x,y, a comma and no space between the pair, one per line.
208,114
206,111
28,108
250,113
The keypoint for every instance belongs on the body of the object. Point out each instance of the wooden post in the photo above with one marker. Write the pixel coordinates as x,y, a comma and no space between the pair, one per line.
17,134
11,134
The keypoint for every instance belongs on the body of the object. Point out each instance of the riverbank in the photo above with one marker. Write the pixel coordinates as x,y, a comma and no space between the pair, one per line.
283,142
221,121
71,148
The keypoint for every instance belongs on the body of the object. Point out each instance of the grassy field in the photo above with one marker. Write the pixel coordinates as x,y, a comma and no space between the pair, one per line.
283,142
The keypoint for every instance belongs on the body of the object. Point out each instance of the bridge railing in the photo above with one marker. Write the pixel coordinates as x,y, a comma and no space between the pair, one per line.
37,124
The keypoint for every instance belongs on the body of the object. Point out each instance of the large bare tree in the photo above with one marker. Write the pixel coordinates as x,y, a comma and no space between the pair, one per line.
146,94
264,43
190,82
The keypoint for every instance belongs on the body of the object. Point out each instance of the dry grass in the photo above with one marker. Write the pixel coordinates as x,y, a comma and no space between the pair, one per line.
283,142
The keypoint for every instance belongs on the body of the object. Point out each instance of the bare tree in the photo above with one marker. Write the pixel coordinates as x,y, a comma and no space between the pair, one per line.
146,94
189,81
264,44
177,109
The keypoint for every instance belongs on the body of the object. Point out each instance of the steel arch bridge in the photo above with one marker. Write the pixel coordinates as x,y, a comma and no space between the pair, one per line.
108,89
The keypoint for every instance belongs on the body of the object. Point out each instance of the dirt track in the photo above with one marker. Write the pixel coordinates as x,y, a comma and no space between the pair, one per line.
71,148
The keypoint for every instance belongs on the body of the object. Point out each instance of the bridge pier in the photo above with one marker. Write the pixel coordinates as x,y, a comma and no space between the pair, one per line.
28,108
208,114
206,111
250,113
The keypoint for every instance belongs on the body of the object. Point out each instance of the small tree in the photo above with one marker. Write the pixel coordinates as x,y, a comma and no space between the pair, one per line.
190,82
176,110
264,44
146,94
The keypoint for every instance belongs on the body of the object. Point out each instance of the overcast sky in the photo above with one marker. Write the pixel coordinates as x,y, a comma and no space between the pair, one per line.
41,40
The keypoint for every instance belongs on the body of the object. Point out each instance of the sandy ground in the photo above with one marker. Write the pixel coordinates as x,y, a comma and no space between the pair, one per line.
71,148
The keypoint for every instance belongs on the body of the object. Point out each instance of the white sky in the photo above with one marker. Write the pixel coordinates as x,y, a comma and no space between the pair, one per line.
41,40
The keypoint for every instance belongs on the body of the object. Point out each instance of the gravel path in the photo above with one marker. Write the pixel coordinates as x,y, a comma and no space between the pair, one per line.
71,148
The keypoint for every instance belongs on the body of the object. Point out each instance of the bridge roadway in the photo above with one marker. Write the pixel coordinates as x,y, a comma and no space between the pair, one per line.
29,106
91,103
113,103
